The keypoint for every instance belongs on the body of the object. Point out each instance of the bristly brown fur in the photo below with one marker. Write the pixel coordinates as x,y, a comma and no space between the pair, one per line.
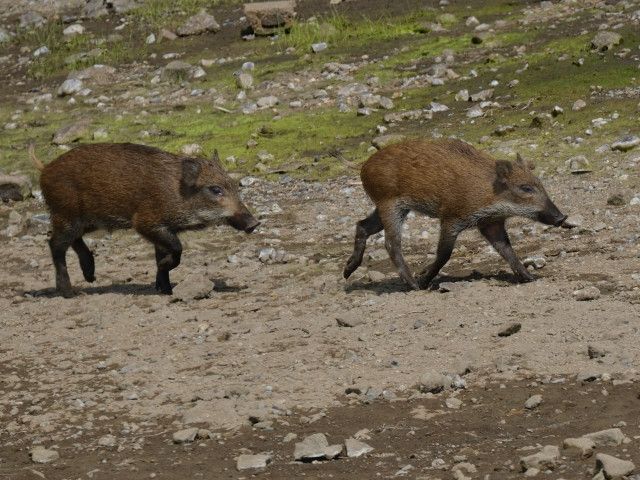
456,183
112,186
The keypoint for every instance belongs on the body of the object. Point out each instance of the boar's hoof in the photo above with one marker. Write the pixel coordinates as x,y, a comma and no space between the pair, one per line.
525,278
67,293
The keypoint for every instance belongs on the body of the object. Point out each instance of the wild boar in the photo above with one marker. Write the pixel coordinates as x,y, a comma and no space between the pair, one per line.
462,187
122,185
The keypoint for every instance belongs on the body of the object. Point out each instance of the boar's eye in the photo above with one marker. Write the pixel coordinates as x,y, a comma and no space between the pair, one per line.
216,190
527,188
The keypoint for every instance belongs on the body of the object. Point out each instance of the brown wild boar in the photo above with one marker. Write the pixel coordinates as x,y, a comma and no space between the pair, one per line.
462,187
121,185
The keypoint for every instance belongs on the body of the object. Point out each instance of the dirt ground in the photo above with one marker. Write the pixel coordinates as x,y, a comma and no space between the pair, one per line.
268,344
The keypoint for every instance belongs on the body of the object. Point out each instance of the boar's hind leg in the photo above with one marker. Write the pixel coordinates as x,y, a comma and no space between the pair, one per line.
443,254
62,236
168,253
87,263
497,236
392,217
364,229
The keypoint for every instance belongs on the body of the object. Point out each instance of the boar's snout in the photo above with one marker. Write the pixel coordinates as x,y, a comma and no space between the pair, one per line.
243,221
551,215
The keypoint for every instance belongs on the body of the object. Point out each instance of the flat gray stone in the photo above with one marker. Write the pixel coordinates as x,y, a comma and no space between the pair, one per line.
187,435
610,437
40,454
248,462
585,446
356,448
197,24
547,458
613,467
312,447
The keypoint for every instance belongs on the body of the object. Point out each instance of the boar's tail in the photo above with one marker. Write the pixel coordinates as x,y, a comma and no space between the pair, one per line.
32,154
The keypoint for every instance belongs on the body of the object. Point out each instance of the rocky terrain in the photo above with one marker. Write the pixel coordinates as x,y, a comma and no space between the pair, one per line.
265,362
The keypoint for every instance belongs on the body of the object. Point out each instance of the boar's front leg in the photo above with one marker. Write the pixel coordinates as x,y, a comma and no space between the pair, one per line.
446,243
496,234
168,253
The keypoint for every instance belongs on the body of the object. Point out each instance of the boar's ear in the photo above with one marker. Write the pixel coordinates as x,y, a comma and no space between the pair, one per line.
503,170
191,169
215,158
524,163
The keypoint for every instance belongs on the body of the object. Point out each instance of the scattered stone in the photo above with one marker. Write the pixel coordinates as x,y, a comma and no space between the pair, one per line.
579,164
533,402
578,105
244,80
502,130
268,102
177,70
537,262
199,23
453,403
475,112
556,111
5,35
150,39
40,454
433,382
319,47
587,294
31,19
14,187
107,441
266,17
595,352
191,149
71,133
613,467
610,437
510,330
41,51
546,459
187,435
626,143
482,95
195,286
69,87
573,221
386,140
75,29
248,462
462,96
584,445
313,447
605,40
356,448
616,200
350,320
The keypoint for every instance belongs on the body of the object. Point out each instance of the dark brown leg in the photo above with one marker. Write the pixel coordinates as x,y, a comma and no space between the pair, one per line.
392,217
87,263
62,236
168,253
496,234
445,246
364,229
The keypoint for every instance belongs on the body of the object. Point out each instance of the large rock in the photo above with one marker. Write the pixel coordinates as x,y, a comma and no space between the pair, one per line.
610,437
312,447
265,17
40,454
71,133
547,458
612,467
177,70
31,19
195,286
585,446
14,187
433,382
385,140
247,462
626,143
605,40
69,87
187,435
199,23
356,448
